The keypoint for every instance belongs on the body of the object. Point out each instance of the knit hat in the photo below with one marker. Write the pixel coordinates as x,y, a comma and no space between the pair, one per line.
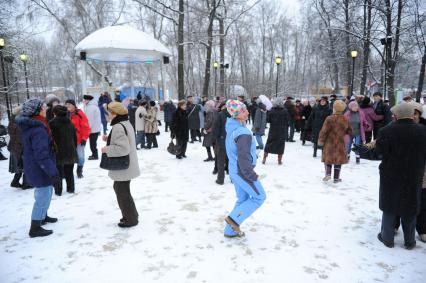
117,108
338,107
278,102
324,98
87,97
210,105
32,107
71,101
403,111
352,104
50,98
60,110
234,107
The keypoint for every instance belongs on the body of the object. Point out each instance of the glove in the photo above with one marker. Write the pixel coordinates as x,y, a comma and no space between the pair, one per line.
56,181
83,143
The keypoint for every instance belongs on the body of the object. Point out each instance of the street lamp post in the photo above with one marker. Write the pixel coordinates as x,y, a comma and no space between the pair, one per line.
5,89
215,66
24,58
354,54
278,61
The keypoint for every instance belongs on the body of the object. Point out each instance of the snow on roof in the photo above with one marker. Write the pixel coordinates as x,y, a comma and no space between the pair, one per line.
121,44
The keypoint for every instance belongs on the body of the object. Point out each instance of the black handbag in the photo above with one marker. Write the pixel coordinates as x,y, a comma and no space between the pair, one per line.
366,152
115,163
3,130
172,148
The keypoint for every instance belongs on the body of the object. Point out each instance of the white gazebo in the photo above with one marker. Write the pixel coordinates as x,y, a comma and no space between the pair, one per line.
120,44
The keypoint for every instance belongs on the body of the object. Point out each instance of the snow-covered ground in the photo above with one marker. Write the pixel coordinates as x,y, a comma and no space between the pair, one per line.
306,231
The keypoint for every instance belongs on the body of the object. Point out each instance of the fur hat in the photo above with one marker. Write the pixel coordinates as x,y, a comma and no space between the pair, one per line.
403,111
32,107
324,98
338,107
117,108
234,107
87,97
365,102
181,103
50,98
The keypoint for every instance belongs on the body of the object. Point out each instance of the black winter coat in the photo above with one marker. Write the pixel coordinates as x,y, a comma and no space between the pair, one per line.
316,120
65,138
180,125
169,109
402,145
291,110
193,116
278,119
382,109
219,130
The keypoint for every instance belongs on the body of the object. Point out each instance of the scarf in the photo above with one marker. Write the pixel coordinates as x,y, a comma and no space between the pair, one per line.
43,120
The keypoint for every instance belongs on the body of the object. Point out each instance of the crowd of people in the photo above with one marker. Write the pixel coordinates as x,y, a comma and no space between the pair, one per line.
48,138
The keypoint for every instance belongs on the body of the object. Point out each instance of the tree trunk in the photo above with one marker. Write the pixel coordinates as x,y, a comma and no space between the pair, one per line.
348,47
181,58
366,49
222,57
421,77
209,50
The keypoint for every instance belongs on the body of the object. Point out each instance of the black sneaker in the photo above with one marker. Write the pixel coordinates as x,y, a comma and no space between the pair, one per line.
389,245
126,225
49,220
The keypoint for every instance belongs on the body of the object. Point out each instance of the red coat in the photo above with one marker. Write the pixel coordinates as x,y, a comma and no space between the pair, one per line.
81,124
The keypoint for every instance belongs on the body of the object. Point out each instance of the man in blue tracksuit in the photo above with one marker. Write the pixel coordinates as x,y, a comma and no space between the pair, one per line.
241,151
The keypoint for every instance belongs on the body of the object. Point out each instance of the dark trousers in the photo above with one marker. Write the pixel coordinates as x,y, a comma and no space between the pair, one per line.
167,127
290,127
125,202
368,136
182,147
194,134
220,160
151,140
93,138
298,125
388,227
421,218
65,172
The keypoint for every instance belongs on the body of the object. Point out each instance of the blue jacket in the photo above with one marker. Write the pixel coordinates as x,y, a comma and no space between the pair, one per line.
38,155
241,150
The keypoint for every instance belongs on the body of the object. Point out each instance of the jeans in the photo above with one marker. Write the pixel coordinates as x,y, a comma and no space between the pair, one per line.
42,196
105,126
259,140
93,139
250,196
140,138
408,227
357,142
80,154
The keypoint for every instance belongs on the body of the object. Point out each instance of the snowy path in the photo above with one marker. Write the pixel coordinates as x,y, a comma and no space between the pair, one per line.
307,231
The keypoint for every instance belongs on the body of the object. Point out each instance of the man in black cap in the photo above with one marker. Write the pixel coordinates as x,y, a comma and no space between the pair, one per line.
331,101
380,108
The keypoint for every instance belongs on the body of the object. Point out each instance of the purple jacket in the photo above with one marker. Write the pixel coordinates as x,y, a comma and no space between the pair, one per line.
364,126
371,117
38,155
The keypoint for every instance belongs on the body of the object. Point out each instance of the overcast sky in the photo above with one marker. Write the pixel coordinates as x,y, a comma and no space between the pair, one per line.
292,7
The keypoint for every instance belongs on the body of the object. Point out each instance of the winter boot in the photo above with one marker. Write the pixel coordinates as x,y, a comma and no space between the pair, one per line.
58,188
79,171
37,231
327,173
315,149
25,184
70,184
337,169
48,219
265,155
233,224
280,159
389,245
357,159
15,182
410,246
423,238
2,157
209,155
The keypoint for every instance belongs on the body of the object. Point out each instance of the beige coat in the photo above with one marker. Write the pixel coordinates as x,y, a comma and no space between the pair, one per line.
151,124
122,145
140,119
